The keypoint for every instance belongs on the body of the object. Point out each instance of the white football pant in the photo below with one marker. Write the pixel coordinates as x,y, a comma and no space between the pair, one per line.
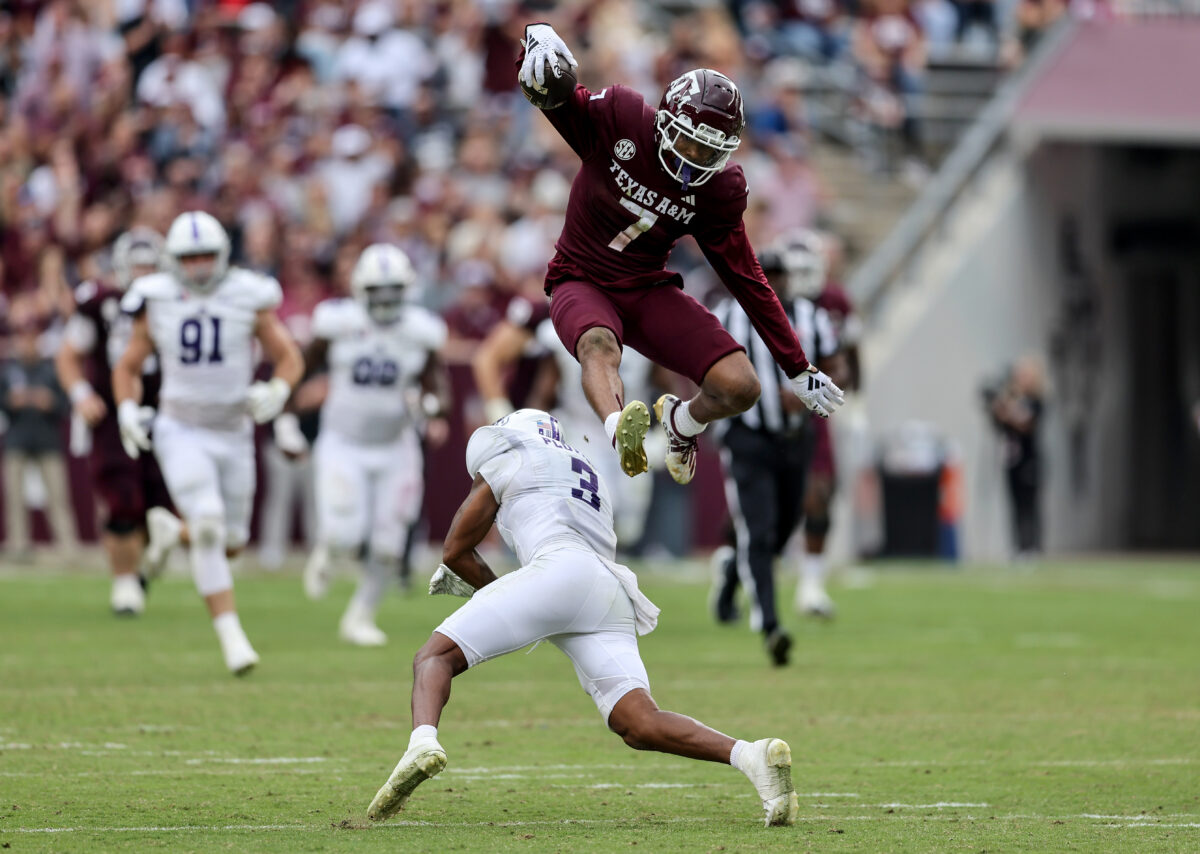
209,473
367,493
566,596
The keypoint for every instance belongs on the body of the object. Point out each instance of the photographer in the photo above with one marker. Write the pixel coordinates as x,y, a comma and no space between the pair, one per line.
1016,408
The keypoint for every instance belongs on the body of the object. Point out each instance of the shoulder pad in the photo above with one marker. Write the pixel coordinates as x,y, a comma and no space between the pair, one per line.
486,444
426,328
336,318
258,291
156,286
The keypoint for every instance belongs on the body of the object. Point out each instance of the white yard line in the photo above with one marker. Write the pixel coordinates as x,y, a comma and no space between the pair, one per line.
1130,822
260,760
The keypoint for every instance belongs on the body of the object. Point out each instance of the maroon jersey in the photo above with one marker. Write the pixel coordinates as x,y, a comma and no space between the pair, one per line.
101,330
625,214
840,309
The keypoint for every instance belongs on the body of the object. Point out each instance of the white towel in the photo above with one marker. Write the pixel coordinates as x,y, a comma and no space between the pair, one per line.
645,612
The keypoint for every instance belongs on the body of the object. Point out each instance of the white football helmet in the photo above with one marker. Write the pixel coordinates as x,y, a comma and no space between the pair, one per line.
381,280
802,259
135,253
191,235
491,441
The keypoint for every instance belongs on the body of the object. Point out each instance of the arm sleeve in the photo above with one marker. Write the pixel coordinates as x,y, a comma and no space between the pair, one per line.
729,252
573,121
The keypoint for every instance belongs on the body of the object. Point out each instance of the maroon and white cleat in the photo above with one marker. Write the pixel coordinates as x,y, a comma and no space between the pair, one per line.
681,450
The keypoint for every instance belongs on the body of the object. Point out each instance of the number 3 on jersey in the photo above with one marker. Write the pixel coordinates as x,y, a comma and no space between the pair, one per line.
645,222
589,491
191,341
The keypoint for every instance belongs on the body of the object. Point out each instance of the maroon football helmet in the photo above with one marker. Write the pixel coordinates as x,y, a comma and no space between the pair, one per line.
699,124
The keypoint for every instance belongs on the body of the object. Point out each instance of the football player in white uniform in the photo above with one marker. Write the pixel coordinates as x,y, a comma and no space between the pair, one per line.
631,496
202,318
555,513
385,379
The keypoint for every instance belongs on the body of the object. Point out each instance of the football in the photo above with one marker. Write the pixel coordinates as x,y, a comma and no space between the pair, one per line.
556,90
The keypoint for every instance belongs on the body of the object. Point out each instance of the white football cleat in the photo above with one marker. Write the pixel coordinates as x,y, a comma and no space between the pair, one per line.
127,599
681,450
630,438
240,657
163,529
422,760
318,571
768,764
361,631
813,601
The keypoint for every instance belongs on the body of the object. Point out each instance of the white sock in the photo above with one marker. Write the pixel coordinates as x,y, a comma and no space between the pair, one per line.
378,570
735,755
228,625
210,568
421,733
610,428
812,568
684,423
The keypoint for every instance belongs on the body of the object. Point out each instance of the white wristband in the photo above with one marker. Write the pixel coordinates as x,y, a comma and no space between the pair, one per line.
81,391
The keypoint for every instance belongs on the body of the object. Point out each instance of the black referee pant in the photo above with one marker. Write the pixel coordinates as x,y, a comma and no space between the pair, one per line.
764,487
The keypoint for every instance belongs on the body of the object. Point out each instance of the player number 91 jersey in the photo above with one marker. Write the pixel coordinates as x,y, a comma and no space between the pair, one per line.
549,493
374,369
205,342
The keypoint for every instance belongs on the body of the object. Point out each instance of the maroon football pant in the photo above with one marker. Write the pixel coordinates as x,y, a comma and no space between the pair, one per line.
662,323
127,487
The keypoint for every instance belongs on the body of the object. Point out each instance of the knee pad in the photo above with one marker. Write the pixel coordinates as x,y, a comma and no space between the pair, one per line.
818,526
207,532
122,525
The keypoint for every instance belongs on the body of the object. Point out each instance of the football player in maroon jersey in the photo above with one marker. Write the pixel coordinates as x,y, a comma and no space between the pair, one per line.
648,178
96,336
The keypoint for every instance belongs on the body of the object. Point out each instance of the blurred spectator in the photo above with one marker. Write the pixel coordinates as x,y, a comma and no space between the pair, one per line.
889,48
1016,408
1034,17
36,409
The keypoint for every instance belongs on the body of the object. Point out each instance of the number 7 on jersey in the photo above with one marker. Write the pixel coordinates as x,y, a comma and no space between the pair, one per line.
645,221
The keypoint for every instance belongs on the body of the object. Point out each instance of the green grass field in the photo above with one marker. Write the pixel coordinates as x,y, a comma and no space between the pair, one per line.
976,710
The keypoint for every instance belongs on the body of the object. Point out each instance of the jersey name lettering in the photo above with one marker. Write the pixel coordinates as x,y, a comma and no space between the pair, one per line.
643,195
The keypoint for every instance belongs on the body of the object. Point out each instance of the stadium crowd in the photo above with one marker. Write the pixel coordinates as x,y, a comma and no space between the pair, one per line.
312,128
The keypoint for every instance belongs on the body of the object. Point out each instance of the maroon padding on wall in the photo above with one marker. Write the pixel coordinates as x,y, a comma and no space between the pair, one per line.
1129,78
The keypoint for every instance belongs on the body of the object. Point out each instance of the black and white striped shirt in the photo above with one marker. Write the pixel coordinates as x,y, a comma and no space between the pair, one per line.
818,339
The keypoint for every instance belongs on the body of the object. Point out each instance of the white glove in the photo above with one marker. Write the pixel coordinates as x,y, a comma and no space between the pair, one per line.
817,391
266,400
134,423
288,437
445,581
542,44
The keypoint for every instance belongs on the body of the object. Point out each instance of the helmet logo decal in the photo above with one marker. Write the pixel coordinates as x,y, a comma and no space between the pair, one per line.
689,81
624,149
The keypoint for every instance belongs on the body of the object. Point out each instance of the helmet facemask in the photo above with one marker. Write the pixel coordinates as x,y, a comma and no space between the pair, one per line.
199,275
136,253
385,301
691,155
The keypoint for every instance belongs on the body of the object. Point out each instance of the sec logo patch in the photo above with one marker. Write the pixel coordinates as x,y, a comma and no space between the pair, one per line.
624,149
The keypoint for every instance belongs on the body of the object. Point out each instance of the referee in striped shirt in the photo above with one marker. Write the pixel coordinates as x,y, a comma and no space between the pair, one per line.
765,450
